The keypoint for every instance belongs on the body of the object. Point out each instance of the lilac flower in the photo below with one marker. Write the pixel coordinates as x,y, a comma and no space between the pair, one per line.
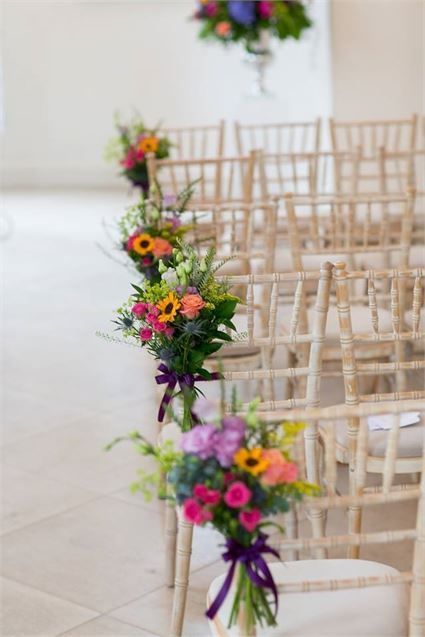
200,441
242,11
234,423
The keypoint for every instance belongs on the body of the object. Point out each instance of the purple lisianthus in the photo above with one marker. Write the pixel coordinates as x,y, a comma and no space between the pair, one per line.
226,444
200,441
234,423
242,11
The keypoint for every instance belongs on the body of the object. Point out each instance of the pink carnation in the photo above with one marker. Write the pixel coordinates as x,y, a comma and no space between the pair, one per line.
145,334
237,495
250,519
207,496
139,309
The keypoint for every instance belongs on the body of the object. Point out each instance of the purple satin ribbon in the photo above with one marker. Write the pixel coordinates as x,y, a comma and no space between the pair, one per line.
256,568
171,379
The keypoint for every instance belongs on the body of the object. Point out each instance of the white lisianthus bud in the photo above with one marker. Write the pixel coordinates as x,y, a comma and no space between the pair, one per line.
170,277
161,267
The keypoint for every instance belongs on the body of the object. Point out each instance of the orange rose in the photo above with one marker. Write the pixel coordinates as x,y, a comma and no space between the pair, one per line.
161,247
191,305
279,471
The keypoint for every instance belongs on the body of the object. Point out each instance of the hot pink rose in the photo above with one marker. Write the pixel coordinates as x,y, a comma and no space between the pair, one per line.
145,334
207,496
250,519
139,309
169,331
191,305
153,309
265,9
192,511
159,327
211,9
237,495
129,160
130,241
195,513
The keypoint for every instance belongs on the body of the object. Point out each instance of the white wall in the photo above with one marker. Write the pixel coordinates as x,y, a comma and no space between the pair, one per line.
378,49
68,65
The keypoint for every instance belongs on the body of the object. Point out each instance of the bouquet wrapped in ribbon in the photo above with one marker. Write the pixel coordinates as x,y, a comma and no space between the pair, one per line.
151,229
181,320
234,473
130,147
244,20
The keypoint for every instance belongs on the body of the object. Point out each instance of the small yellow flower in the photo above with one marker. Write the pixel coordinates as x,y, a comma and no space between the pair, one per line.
251,460
148,144
143,244
168,308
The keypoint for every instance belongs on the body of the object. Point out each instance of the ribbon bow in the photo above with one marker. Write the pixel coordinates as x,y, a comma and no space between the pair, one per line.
255,565
171,379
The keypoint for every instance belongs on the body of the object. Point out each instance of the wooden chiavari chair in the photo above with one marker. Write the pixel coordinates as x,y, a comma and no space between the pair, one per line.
366,139
219,178
347,597
309,174
196,141
264,290
404,368
289,137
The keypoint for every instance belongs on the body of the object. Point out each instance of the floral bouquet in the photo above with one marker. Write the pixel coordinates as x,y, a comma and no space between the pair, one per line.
235,20
233,473
150,230
130,147
179,320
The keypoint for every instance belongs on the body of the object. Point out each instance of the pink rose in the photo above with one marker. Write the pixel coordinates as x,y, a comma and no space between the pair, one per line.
169,331
139,309
145,334
193,512
129,160
151,318
211,9
237,495
265,9
130,241
207,496
153,309
159,327
191,305
250,519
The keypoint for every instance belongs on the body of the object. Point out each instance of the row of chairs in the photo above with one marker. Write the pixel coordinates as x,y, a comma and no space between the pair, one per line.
369,136
390,333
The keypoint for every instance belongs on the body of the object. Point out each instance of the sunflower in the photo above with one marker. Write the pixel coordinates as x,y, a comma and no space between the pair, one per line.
168,308
251,460
148,145
143,244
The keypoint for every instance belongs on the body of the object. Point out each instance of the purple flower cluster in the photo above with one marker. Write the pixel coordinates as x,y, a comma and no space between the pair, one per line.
209,441
242,11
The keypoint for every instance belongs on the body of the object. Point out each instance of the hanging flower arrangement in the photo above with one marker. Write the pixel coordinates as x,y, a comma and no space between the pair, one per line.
243,20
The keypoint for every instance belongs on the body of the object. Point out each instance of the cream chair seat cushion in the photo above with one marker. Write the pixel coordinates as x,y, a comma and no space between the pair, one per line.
410,440
377,611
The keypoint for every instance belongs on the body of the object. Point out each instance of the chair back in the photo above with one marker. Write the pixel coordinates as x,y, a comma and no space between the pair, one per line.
289,137
220,179
198,142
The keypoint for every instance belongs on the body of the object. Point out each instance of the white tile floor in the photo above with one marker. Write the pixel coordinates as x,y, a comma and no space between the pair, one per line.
80,556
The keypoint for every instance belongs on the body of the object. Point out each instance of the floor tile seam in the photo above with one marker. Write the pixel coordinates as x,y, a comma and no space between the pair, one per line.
52,515
55,595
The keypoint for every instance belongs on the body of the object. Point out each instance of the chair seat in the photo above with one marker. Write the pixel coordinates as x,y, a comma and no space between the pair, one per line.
377,611
410,441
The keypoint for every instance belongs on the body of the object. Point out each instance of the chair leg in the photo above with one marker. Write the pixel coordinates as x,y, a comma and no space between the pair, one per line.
170,532
291,531
184,550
